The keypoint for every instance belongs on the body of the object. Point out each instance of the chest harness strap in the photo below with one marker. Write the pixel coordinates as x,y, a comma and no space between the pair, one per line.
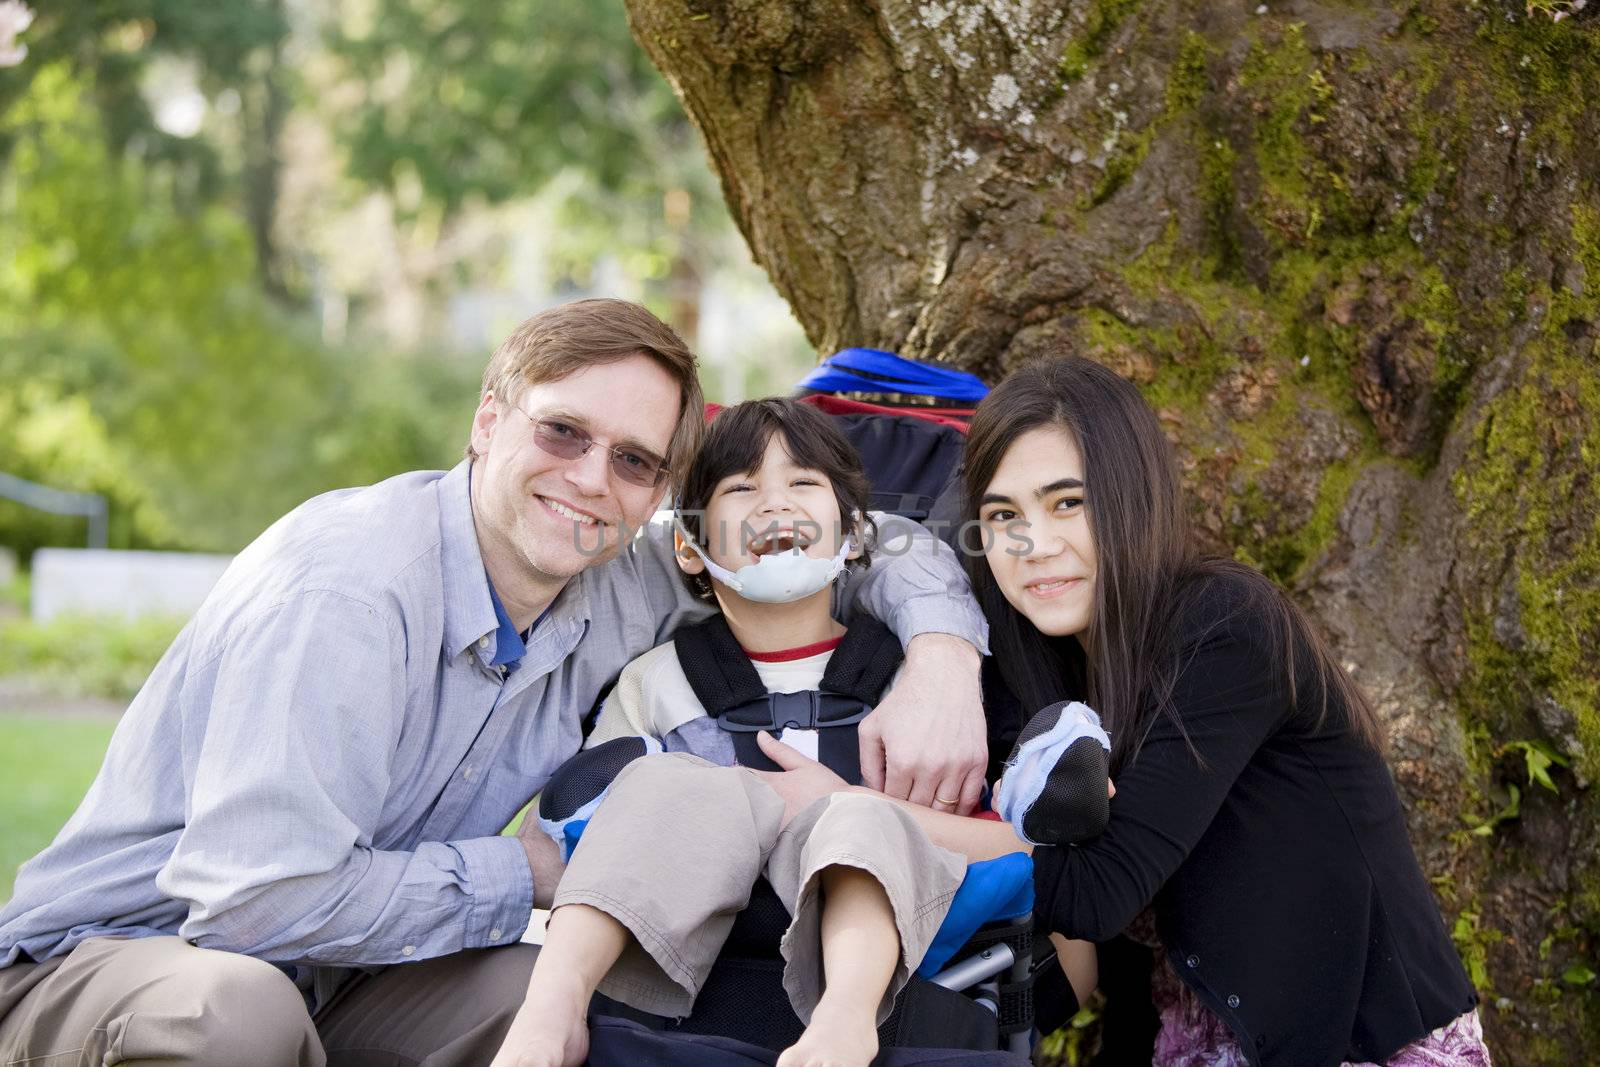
728,687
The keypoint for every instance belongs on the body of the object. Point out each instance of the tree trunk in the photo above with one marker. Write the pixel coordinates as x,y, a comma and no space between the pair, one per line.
1352,254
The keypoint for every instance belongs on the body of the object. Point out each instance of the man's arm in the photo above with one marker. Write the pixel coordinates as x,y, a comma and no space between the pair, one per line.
925,742
276,859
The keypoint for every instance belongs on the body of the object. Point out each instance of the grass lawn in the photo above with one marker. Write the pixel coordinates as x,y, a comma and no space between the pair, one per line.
46,764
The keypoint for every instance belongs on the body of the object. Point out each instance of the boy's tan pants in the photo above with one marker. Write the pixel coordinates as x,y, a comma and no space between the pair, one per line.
160,1000
672,854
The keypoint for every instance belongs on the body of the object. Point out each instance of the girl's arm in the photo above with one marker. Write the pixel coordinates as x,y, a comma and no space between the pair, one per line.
975,838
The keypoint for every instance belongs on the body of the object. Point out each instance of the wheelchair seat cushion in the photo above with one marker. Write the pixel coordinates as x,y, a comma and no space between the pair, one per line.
1001,888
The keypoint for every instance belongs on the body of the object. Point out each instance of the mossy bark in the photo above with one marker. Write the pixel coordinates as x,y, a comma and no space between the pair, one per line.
1352,254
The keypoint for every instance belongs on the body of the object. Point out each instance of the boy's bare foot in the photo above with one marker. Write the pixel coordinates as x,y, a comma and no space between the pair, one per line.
551,1029
835,1038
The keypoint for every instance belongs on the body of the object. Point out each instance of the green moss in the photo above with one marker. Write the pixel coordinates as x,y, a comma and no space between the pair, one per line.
1190,78
1121,165
1583,249
1217,162
1102,20
1530,482
1301,194
1187,83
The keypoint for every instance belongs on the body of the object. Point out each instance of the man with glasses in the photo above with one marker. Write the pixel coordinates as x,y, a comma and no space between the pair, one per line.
309,790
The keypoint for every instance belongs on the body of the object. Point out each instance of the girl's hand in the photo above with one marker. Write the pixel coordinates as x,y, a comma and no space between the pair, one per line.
801,782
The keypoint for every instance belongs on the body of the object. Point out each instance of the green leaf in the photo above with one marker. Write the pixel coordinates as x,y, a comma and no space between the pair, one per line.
1538,756
1578,975
1512,809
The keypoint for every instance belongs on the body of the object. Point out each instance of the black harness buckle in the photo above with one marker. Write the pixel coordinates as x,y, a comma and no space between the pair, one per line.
809,709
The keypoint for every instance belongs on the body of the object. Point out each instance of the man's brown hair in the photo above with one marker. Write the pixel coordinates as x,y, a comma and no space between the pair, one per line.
584,333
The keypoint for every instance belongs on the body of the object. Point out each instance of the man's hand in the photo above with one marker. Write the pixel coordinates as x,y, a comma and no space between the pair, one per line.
544,859
801,782
926,741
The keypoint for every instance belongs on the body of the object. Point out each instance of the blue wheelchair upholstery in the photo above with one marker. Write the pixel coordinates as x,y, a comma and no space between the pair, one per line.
1001,888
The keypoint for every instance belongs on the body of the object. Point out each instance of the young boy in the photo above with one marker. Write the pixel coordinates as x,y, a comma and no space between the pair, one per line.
771,509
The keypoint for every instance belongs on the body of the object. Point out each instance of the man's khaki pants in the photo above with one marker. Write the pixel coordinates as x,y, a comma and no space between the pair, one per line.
160,1000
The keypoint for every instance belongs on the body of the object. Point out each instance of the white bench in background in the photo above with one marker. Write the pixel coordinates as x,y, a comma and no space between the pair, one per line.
91,581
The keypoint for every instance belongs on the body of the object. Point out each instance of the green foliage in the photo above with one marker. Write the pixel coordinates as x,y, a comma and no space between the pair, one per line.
80,656
142,361
1510,810
1578,975
1072,1045
47,763
495,100
113,45
464,103
1539,757
1473,940
14,594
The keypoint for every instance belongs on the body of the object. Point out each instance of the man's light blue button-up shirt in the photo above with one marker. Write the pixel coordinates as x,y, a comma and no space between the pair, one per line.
318,770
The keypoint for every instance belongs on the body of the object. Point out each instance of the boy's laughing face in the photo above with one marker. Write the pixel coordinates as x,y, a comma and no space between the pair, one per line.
777,507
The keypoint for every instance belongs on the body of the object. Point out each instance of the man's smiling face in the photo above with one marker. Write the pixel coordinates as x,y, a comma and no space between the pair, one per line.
540,518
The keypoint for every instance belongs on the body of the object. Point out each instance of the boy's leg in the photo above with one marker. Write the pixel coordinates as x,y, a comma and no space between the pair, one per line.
551,1027
859,948
154,999
671,856
871,835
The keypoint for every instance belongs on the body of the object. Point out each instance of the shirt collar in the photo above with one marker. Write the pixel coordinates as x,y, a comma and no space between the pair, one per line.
508,644
468,609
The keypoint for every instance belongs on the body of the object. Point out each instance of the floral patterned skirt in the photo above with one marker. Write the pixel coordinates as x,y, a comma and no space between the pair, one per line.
1191,1036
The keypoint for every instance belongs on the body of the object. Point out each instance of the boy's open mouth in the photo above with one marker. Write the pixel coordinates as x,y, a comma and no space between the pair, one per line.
770,541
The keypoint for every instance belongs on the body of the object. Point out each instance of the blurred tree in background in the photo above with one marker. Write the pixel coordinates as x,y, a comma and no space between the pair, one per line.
257,249
464,104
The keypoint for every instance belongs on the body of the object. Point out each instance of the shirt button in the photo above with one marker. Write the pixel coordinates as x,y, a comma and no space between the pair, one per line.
467,774
408,950
483,642
1233,1000
494,935
1193,961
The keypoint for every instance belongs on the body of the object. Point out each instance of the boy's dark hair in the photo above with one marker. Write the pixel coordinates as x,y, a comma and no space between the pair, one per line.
737,439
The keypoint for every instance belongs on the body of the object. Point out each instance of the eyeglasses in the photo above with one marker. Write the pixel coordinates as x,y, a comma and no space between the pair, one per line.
636,466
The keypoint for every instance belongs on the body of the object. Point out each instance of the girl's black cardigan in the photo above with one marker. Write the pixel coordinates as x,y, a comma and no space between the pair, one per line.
1285,889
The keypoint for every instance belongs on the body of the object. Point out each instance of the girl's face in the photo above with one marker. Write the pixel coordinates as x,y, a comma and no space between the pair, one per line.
1036,532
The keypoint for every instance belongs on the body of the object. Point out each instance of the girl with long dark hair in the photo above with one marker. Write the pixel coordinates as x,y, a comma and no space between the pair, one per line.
1254,814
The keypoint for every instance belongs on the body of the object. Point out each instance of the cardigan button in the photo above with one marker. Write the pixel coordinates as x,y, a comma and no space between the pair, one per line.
1233,1000
1193,961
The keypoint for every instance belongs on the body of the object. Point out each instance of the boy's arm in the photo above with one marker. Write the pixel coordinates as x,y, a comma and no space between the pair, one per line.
624,713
